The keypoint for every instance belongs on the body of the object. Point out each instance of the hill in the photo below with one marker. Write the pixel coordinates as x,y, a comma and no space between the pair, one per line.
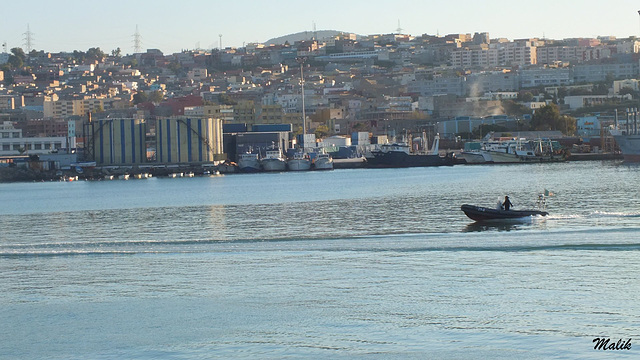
305,35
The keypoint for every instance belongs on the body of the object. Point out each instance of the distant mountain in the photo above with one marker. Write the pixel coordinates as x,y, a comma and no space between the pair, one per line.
305,35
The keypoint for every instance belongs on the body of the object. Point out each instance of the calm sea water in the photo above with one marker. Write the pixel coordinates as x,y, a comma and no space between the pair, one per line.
371,263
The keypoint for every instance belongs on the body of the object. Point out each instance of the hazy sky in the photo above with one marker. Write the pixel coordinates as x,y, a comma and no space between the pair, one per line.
171,26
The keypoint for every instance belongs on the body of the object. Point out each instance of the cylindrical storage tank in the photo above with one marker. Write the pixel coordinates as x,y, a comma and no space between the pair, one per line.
182,139
119,141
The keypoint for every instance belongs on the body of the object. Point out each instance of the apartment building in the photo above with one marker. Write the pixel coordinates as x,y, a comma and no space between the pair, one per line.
545,77
61,109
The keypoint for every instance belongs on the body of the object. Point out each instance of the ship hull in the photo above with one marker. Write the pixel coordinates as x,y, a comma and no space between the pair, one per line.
274,165
629,146
402,160
323,164
299,164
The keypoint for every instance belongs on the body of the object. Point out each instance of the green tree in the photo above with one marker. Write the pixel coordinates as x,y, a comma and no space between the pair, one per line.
94,54
17,58
140,97
525,96
16,51
116,53
322,131
548,118
79,56
512,108
156,96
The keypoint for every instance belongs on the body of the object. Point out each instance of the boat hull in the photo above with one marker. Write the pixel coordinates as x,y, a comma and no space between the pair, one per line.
629,146
402,160
299,164
274,165
508,158
323,164
476,157
479,213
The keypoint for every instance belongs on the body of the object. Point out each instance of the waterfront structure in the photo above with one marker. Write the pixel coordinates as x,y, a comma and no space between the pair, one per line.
116,141
13,143
188,140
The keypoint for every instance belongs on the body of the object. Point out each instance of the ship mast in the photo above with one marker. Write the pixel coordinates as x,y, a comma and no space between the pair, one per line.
301,61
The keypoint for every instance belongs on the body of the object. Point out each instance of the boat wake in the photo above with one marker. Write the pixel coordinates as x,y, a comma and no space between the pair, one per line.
594,215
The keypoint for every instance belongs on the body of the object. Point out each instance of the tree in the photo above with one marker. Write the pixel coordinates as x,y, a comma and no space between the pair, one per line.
512,108
79,56
116,53
19,53
156,96
322,131
525,96
175,67
140,97
548,118
17,58
94,54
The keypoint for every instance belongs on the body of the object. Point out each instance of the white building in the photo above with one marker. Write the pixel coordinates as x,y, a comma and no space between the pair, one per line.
576,102
618,85
12,142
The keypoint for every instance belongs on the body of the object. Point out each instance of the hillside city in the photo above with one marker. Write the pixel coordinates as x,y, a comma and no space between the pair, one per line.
458,85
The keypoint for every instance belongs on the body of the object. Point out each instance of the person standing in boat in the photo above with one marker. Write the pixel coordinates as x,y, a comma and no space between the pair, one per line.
507,203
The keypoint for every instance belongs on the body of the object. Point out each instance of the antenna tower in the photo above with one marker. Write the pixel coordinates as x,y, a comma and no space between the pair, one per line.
28,40
399,29
137,41
220,43
315,33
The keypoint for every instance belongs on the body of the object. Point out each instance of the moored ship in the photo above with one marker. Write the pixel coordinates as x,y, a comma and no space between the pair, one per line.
323,161
248,162
629,144
399,155
273,160
299,161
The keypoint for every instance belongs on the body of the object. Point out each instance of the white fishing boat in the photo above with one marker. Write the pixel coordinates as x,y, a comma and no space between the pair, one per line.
273,160
300,161
323,161
476,157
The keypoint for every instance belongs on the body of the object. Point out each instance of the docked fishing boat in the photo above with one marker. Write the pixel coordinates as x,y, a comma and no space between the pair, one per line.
479,213
526,152
300,161
476,157
399,155
273,160
248,162
323,161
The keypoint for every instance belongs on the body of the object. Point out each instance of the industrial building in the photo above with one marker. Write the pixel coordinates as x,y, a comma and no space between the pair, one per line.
116,141
188,140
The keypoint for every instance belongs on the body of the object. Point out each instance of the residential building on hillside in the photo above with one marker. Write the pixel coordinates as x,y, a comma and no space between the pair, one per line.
599,72
545,77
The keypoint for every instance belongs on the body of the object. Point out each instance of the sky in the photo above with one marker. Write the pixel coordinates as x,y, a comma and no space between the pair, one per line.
173,26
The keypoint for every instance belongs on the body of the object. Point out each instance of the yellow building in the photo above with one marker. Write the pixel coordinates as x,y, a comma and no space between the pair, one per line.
117,141
186,139
61,109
